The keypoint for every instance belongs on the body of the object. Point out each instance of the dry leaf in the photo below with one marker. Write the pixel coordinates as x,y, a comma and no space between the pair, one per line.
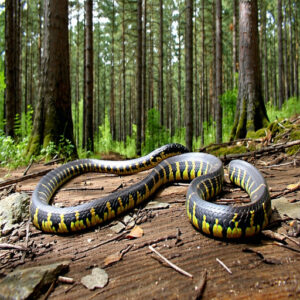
109,260
136,232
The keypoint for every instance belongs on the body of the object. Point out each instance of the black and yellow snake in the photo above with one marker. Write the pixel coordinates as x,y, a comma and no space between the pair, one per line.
170,163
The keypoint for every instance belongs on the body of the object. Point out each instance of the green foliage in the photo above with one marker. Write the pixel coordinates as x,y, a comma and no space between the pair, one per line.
228,100
289,108
64,149
156,135
12,153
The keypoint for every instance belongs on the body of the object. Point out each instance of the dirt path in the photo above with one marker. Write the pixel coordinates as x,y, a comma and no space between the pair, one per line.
139,275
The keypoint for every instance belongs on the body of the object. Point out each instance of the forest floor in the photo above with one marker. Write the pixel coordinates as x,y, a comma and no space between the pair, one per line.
260,269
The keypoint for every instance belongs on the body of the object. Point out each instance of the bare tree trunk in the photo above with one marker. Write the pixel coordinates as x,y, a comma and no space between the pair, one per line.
189,74
179,110
234,43
280,57
139,78
124,73
12,64
112,79
89,83
219,72
161,65
53,112
251,112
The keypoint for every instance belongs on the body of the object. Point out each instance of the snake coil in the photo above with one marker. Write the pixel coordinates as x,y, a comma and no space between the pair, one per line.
170,163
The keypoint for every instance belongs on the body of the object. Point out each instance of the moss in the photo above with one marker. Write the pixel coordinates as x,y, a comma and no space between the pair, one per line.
257,134
33,146
228,150
295,135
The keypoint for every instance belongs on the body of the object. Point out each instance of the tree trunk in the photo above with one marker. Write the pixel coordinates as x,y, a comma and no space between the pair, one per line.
280,57
161,65
53,118
189,74
250,111
219,71
139,76
112,78
12,64
234,43
89,80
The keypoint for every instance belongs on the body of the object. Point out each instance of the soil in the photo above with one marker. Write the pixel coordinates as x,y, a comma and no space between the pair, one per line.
274,273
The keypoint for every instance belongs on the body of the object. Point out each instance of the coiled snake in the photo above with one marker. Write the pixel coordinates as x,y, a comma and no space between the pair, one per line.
170,163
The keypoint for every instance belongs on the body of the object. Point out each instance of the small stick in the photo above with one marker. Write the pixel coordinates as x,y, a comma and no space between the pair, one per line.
28,167
286,246
170,263
50,290
201,286
224,266
291,239
15,247
66,279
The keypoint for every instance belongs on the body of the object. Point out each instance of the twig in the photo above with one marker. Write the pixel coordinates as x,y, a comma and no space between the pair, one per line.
170,263
169,237
286,246
50,290
291,239
26,241
28,167
29,176
14,247
104,242
224,266
270,149
65,279
201,285
53,161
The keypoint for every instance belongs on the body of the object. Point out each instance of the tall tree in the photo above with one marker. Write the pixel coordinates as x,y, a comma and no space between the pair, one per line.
89,80
12,63
251,113
139,78
219,72
53,112
280,57
189,73
161,63
234,41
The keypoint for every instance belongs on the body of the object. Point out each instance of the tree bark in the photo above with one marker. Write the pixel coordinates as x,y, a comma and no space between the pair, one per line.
53,118
250,111
280,57
219,72
12,64
161,64
189,74
139,78
89,79
234,43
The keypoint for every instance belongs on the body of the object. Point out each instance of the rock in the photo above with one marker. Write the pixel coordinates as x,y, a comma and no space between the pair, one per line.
118,227
284,207
13,210
30,282
98,279
157,205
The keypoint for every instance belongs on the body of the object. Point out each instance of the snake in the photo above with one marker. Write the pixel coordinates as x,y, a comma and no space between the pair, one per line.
169,163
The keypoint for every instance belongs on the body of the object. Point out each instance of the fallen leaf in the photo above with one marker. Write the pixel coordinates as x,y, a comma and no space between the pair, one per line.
109,260
98,279
136,232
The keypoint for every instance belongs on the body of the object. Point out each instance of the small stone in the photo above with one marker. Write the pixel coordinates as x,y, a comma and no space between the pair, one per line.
98,279
118,227
157,205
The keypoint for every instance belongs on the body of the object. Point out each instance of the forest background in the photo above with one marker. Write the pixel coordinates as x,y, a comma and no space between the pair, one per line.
163,43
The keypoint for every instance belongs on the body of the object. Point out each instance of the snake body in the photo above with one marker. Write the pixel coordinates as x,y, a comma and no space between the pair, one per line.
170,163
